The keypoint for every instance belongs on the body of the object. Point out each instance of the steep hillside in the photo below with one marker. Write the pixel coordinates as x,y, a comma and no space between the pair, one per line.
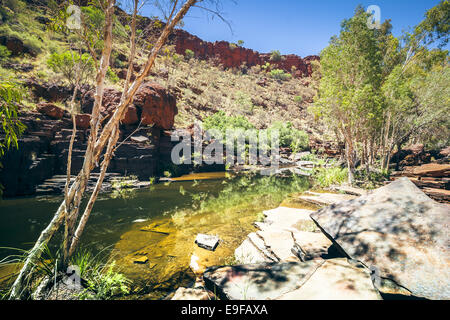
204,77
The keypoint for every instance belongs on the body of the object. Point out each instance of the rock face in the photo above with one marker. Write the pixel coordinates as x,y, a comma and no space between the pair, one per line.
315,280
234,56
16,46
152,105
398,230
433,178
43,148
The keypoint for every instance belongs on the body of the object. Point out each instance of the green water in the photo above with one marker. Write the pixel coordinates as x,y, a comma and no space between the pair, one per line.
223,206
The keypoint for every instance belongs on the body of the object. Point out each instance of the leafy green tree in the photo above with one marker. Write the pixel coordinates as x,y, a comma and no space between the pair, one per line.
71,65
349,91
10,96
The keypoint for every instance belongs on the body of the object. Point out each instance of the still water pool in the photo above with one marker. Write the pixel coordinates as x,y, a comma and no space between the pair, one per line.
158,225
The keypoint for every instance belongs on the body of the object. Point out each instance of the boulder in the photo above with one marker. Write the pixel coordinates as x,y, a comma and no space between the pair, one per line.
191,294
51,110
157,105
152,105
336,279
83,121
315,279
207,242
325,199
311,245
400,232
288,219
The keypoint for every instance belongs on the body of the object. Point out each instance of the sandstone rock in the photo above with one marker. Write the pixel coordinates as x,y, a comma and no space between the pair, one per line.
153,105
258,281
207,242
311,245
51,110
139,139
432,170
325,199
445,152
191,294
398,230
158,107
131,116
288,219
234,57
253,250
16,46
279,243
83,121
141,260
336,279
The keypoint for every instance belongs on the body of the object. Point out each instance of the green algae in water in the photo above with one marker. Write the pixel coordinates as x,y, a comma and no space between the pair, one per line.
168,243
223,206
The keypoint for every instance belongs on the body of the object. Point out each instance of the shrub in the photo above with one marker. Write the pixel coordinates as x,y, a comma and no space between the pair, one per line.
280,75
66,64
290,137
221,122
4,53
276,56
112,76
326,177
298,99
189,54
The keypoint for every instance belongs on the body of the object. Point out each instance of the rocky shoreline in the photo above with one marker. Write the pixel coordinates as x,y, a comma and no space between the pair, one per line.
365,246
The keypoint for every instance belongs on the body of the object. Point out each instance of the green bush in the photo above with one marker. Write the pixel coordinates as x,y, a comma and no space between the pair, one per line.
290,137
221,122
189,54
65,63
4,53
276,56
112,76
326,177
279,74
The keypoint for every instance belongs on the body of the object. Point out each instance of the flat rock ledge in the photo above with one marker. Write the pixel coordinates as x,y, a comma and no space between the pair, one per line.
397,231
335,279
393,240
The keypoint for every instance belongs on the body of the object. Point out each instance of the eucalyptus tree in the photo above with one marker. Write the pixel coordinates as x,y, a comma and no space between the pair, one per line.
102,138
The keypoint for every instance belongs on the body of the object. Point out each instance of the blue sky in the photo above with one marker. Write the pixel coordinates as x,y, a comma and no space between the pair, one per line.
295,26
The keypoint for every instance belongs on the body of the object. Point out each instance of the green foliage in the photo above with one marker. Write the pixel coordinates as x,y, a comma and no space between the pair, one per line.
298,99
276,56
72,66
436,25
4,53
11,94
240,43
103,281
279,74
29,40
189,54
15,5
325,177
221,122
290,137
112,76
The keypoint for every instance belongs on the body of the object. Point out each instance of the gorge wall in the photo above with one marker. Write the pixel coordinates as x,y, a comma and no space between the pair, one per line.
235,56
43,148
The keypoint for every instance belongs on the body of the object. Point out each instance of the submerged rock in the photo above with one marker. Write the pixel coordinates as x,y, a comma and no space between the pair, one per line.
398,231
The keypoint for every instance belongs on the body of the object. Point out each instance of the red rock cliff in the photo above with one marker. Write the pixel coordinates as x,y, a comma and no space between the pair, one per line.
233,57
